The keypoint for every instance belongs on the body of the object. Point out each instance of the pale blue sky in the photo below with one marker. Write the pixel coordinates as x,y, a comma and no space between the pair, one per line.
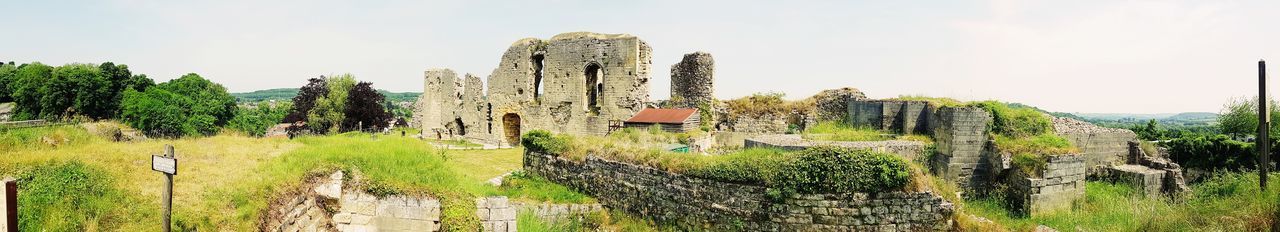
1073,56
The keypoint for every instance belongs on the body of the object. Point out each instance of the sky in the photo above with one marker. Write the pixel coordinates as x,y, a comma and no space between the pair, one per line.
1067,56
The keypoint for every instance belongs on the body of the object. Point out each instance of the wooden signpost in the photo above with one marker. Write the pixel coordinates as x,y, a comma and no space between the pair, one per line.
1264,123
167,164
9,203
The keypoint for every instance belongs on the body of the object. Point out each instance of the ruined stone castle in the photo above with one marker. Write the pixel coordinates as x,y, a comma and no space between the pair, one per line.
574,83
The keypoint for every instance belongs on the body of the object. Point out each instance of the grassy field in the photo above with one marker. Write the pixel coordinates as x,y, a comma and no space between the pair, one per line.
1228,202
85,182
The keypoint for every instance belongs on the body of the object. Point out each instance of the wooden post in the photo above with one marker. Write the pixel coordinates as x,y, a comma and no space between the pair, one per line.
1264,124
168,190
10,205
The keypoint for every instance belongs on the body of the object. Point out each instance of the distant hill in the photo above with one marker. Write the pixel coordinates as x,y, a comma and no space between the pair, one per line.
286,94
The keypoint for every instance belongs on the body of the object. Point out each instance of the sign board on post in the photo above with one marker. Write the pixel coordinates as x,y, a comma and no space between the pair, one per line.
167,164
163,164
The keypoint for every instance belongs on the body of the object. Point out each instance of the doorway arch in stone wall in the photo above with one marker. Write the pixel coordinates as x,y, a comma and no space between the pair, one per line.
461,128
511,128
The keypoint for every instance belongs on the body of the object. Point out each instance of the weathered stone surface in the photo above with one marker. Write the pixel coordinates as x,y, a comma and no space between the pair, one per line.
833,104
1102,147
496,214
318,209
692,79
1060,184
541,84
892,115
961,137
702,203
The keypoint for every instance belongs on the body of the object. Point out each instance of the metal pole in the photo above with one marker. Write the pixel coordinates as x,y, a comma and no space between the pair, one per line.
168,190
1264,123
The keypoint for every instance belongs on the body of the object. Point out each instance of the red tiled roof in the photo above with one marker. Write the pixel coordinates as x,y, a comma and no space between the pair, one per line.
651,115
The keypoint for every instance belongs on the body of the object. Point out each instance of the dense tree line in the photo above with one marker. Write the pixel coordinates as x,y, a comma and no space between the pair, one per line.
338,104
41,91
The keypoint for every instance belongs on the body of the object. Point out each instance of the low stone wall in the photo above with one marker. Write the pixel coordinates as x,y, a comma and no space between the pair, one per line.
496,214
1060,184
328,206
552,212
775,124
909,150
696,202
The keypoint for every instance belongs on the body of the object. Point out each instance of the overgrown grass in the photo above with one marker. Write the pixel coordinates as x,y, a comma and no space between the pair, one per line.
1028,152
226,182
766,104
526,186
1227,202
936,101
599,221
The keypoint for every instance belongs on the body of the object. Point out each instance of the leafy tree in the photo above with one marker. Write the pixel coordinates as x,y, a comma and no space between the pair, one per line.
26,89
327,115
189,105
306,99
7,76
256,121
1239,117
364,109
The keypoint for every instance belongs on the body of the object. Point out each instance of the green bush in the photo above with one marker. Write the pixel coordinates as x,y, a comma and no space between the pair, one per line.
1212,152
842,170
757,166
544,141
189,105
70,196
1016,121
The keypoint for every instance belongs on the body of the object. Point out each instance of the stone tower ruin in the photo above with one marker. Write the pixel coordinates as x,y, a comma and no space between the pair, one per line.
691,80
575,83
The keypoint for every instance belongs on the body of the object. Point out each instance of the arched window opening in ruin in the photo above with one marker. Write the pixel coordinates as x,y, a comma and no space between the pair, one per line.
511,128
462,128
594,86
537,76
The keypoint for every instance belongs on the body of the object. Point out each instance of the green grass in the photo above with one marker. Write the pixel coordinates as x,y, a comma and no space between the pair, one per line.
599,221
936,101
225,182
1228,202
529,187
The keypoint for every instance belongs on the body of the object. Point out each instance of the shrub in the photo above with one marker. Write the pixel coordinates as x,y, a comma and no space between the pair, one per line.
1212,152
544,141
1016,121
256,121
750,166
760,104
841,170
935,101
190,105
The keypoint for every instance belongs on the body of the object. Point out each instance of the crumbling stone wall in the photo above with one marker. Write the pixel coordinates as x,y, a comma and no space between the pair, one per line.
1102,147
1060,184
542,84
892,115
326,205
833,104
692,79
696,202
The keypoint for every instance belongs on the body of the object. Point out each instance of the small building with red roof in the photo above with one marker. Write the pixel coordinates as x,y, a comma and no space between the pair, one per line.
672,120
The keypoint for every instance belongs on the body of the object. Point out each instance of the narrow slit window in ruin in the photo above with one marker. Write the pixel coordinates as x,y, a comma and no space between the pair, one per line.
594,86
537,76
